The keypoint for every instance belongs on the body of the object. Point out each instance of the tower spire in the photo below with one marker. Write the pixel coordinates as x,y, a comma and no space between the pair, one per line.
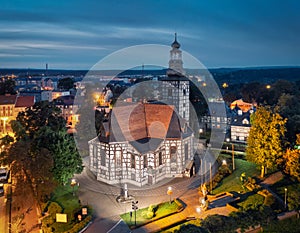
175,62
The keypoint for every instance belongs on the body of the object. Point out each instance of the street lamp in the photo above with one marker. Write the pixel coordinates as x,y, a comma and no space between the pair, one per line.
285,197
170,192
73,183
232,151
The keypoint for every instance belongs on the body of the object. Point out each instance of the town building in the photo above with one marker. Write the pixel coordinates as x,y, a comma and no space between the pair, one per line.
10,106
68,109
240,122
143,143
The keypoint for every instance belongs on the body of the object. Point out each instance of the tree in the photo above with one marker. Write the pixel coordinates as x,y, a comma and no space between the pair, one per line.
65,83
43,129
7,87
265,141
42,114
190,228
288,106
67,160
32,170
292,163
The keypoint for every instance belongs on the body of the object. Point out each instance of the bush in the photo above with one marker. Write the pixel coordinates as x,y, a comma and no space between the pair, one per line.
150,214
179,204
54,208
48,221
293,200
152,208
269,200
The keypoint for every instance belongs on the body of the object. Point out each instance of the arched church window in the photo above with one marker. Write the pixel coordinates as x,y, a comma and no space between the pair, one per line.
145,161
173,152
160,160
103,157
186,151
132,161
118,159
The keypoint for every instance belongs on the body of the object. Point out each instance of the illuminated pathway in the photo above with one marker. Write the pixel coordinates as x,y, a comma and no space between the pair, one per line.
102,198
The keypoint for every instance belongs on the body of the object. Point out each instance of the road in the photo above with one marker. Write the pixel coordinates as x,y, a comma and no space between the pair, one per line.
107,210
3,215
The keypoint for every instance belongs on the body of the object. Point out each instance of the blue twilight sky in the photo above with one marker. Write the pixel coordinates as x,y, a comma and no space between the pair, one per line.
76,34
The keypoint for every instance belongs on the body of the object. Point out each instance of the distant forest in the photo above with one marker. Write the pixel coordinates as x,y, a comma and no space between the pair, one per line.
221,75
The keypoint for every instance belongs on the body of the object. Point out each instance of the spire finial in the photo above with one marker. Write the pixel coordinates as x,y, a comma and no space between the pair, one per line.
175,44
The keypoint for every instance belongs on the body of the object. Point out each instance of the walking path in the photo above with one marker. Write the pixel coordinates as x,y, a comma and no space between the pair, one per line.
272,179
191,199
3,216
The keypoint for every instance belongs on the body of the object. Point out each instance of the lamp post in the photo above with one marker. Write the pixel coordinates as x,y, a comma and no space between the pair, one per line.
210,177
73,183
170,192
232,151
285,197
198,210
134,207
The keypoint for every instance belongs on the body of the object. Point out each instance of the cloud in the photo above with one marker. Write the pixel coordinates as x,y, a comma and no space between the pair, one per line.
219,33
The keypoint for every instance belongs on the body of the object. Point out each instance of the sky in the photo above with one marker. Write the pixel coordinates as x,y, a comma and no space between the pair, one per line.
76,34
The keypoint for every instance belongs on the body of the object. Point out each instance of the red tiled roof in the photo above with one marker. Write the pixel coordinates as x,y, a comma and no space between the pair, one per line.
24,101
7,99
139,121
244,106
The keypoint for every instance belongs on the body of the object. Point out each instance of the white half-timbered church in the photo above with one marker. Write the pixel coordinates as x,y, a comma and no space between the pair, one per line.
143,143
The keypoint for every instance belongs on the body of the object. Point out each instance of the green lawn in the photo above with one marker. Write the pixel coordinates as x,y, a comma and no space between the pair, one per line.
63,195
162,210
232,182
252,201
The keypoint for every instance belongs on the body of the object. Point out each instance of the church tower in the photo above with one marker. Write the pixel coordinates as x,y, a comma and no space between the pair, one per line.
176,88
175,62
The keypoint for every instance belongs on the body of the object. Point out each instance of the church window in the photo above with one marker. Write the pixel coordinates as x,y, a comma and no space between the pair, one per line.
186,151
132,161
160,160
169,92
173,150
103,157
184,92
145,161
118,159
94,151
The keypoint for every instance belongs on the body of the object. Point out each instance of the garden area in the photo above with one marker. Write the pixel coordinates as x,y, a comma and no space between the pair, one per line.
232,182
292,192
151,213
63,201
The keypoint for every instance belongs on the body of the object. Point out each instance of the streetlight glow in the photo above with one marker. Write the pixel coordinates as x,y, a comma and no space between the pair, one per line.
285,197
170,192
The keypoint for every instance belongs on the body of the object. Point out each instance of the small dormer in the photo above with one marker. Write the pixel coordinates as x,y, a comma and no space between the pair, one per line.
245,121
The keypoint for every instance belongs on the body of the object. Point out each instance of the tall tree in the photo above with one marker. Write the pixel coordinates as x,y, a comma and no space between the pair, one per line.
292,163
265,141
288,106
44,129
65,83
7,87
292,160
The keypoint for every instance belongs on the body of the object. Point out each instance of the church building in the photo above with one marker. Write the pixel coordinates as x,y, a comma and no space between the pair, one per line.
143,143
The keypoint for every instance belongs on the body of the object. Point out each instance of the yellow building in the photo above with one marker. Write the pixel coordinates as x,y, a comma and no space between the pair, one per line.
10,106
